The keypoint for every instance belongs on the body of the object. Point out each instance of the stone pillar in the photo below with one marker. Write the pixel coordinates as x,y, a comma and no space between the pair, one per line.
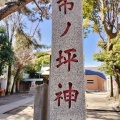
67,89
41,102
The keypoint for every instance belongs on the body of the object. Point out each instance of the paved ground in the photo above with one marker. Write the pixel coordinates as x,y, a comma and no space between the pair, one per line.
13,98
101,100
17,107
99,107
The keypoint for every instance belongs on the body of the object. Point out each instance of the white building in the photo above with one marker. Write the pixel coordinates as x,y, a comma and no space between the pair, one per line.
3,81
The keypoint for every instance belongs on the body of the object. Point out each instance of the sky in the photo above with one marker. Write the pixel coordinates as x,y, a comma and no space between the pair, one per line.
89,44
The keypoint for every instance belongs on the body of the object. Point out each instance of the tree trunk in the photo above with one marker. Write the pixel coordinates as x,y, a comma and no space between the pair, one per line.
13,86
17,86
15,83
118,89
9,78
111,91
15,79
118,95
117,78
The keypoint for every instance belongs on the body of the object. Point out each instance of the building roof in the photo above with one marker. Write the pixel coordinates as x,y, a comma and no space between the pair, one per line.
41,79
94,68
91,72
45,70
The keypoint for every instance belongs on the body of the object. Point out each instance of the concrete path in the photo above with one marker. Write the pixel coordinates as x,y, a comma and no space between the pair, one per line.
8,107
24,114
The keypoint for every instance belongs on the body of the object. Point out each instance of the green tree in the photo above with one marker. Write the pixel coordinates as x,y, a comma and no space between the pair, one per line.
42,58
101,16
23,52
5,50
111,61
15,21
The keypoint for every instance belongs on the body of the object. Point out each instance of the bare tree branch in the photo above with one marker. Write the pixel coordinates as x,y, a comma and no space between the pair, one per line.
36,28
38,7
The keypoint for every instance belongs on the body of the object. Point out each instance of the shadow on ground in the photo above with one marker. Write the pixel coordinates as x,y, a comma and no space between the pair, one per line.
103,115
20,113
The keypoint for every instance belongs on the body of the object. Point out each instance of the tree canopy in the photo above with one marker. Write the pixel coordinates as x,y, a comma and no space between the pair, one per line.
42,58
5,50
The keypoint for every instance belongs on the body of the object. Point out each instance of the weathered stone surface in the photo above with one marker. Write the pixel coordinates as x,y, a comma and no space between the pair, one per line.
41,102
32,91
67,35
32,88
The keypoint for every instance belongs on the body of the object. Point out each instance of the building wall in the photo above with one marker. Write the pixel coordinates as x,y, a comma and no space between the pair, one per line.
101,83
94,82
3,83
25,86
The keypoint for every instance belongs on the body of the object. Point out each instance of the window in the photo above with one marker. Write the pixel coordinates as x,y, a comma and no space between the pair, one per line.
90,81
